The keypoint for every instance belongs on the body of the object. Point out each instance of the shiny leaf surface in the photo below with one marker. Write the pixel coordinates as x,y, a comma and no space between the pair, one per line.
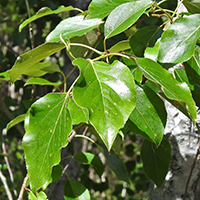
73,26
178,42
112,94
48,124
169,85
129,13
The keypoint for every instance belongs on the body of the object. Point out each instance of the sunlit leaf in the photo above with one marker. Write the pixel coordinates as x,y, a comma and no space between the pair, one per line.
44,12
29,59
178,41
169,85
101,8
108,92
4,76
71,27
48,124
156,160
129,13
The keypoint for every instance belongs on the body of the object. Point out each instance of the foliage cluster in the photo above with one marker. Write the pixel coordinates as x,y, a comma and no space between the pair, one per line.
123,50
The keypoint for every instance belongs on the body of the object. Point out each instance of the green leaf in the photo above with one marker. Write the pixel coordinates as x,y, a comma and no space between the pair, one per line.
194,61
170,86
116,165
181,76
101,8
90,159
193,6
4,76
79,114
48,124
156,160
44,12
178,42
120,46
15,121
149,114
40,196
152,52
40,69
112,95
128,12
29,59
143,38
42,81
74,190
56,172
73,26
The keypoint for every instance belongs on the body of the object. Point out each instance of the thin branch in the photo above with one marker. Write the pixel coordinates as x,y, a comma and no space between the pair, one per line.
23,188
3,179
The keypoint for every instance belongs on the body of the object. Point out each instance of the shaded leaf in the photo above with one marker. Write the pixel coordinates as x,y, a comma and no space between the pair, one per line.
79,114
116,165
194,61
193,6
29,59
72,26
178,41
75,190
48,124
90,159
101,8
15,121
170,86
120,46
147,115
156,160
42,81
143,38
56,172
129,13
44,12
112,94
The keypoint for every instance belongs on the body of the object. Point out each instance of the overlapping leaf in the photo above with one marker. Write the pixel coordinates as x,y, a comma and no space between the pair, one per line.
108,92
178,42
44,12
73,26
156,160
101,8
27,60
149,114
170,86
124,15
193,6
48,124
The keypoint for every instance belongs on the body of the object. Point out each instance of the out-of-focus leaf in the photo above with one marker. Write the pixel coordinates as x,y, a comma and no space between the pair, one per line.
129,13
42,81
44,12
15,121
74,190
48,124
29,59
170,86
177,43
4,76
156,160
112,94
193,6
90,159
73,26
